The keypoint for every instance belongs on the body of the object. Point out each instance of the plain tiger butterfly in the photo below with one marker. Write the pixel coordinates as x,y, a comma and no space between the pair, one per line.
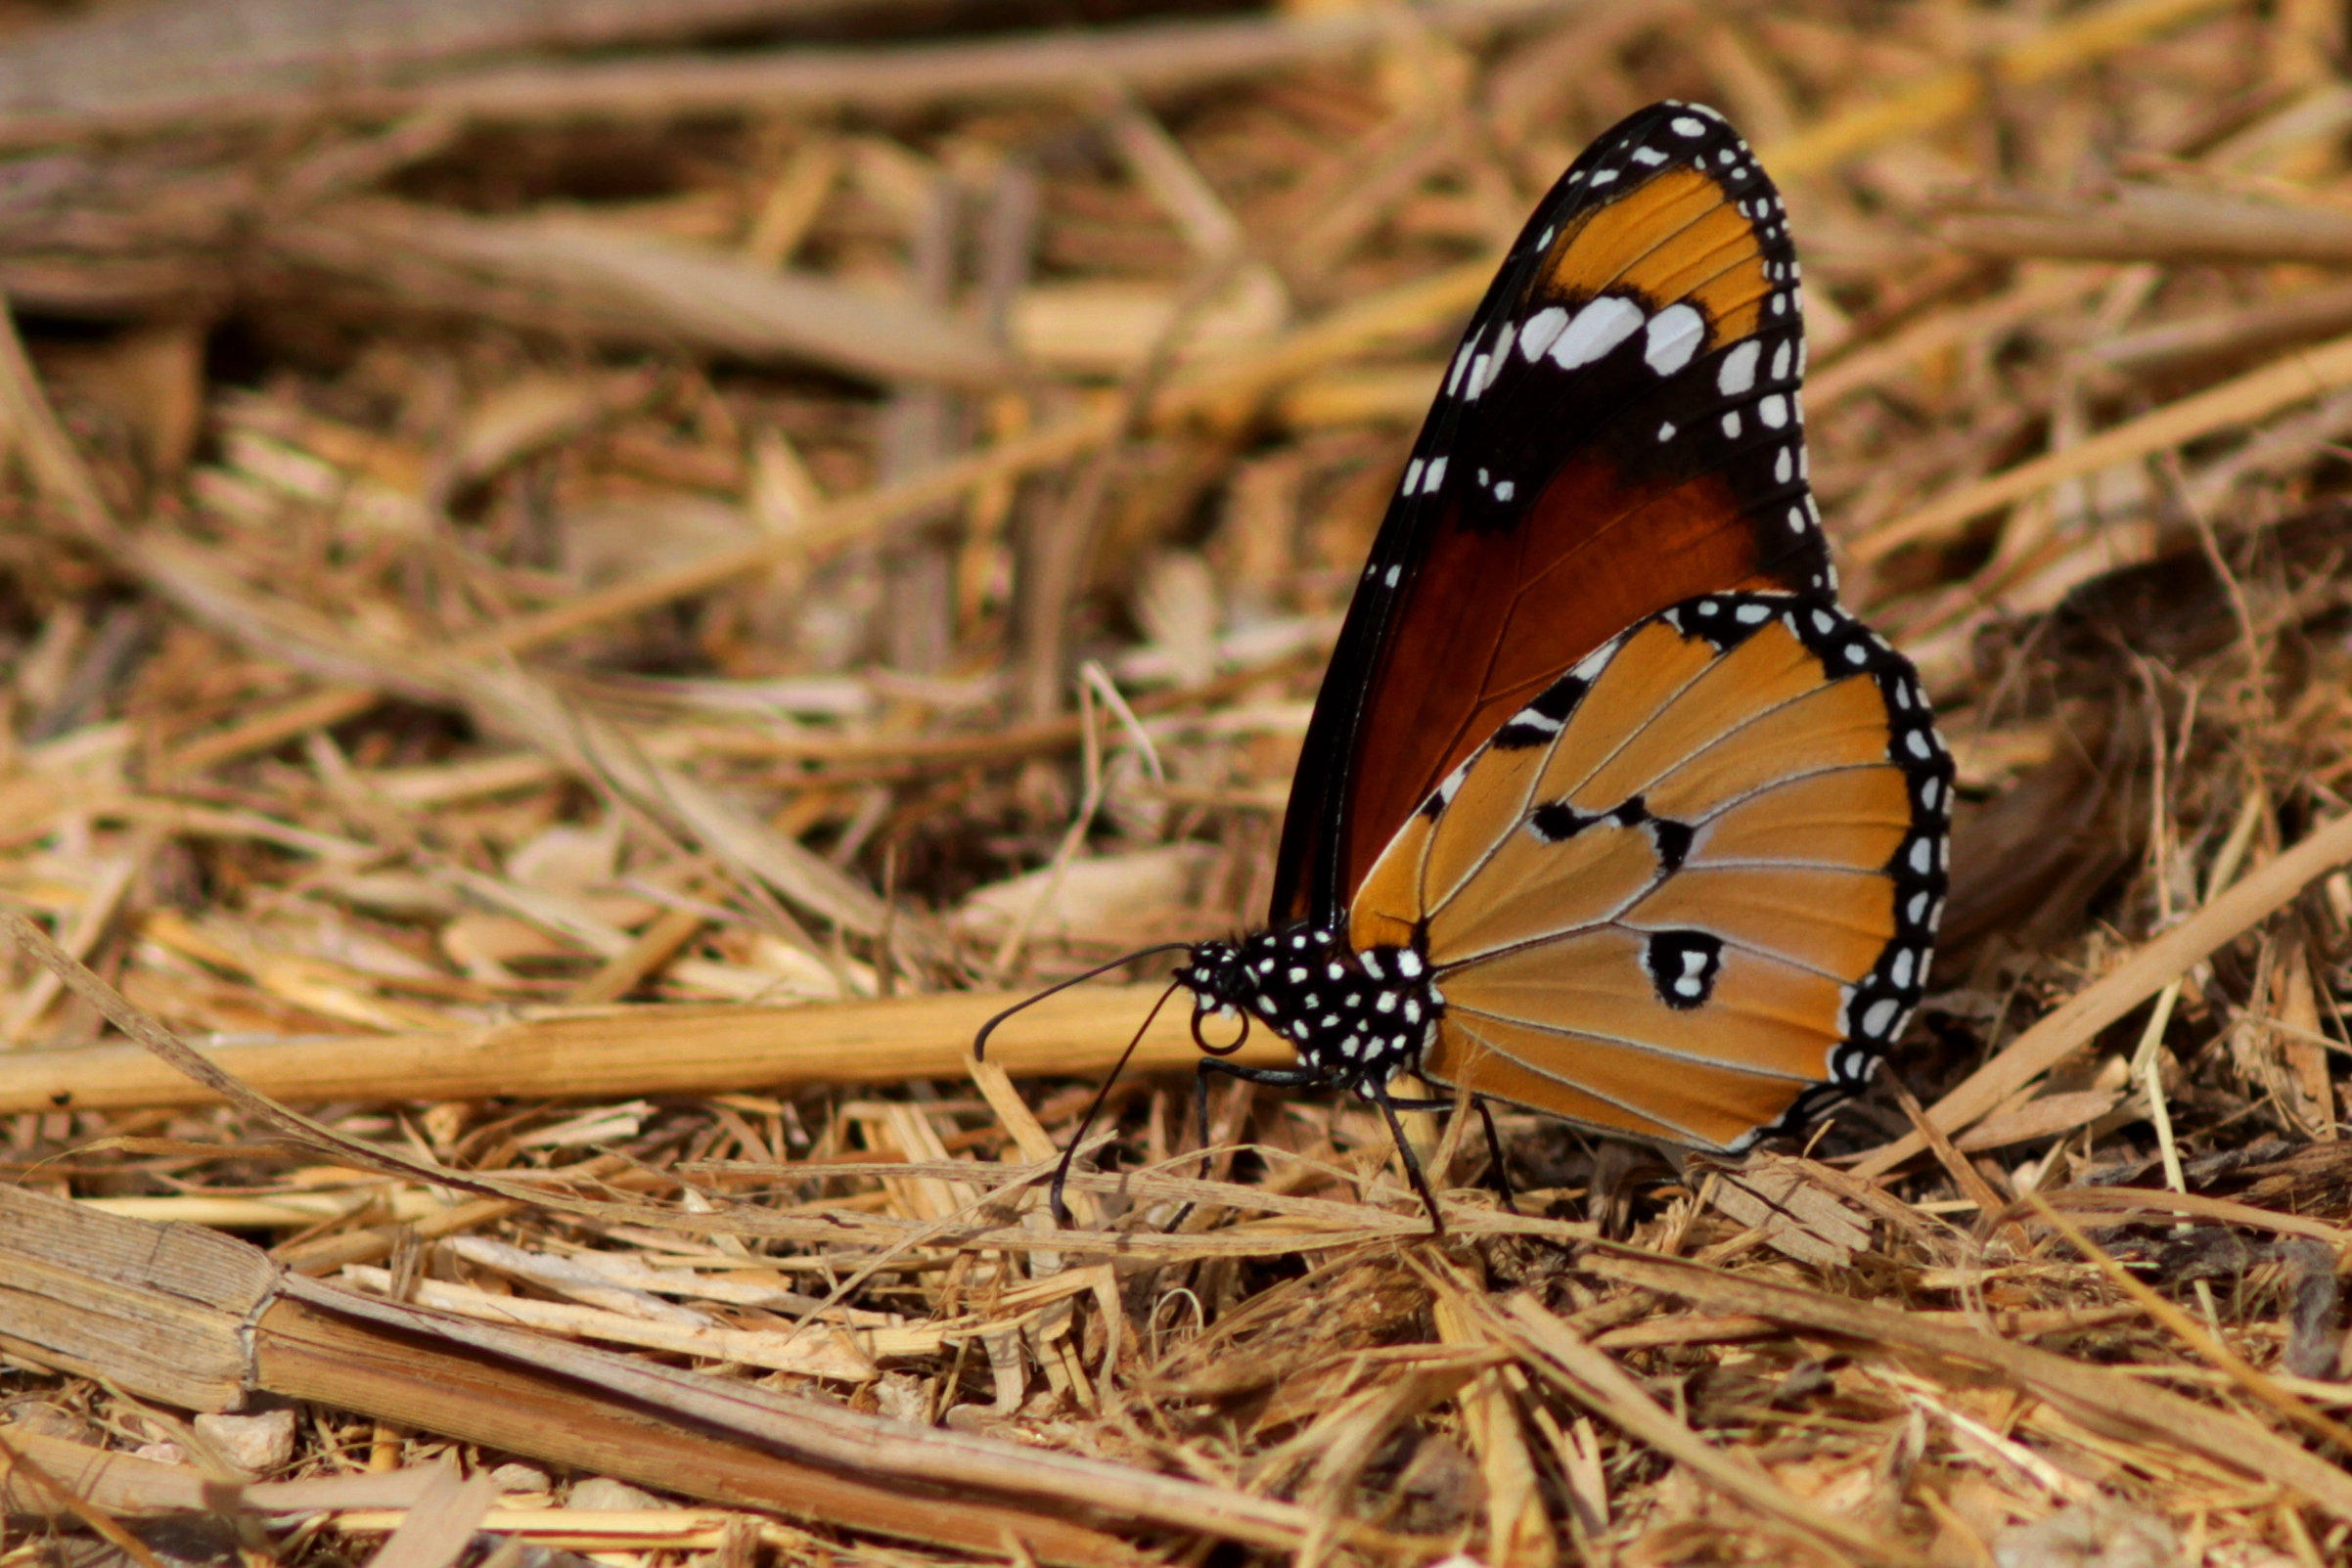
1607,809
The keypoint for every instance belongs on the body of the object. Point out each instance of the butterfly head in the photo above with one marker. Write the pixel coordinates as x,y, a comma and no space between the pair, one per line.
1237,981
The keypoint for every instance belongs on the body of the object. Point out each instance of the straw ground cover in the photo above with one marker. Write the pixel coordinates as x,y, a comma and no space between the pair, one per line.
585,595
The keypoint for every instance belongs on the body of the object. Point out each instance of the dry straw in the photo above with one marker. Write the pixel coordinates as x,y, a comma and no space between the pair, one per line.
550,555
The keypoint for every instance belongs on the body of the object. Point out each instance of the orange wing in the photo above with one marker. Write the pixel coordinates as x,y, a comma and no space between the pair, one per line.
1619,431
1690,890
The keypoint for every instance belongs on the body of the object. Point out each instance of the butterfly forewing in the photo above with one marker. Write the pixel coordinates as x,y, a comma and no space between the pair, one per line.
1618,431
1690,890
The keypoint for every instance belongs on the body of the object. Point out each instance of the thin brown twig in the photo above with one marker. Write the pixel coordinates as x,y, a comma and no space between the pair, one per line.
2191,1334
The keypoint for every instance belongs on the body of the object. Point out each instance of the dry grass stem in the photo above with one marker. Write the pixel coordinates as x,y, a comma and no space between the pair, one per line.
589,591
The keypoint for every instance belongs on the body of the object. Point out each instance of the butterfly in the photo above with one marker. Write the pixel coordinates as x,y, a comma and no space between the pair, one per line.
1607,809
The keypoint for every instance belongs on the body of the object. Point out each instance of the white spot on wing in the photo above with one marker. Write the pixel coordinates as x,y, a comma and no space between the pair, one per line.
1598,327
1738,371
1501,354
1542,330
1675,333
1590,669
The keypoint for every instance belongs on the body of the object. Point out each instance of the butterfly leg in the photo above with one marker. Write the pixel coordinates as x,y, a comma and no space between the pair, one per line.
1494,1153
1273,1077
1377,1093
1494,1139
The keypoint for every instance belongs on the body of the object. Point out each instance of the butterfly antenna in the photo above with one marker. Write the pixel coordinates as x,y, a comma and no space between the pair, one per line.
1086,1123
979,1044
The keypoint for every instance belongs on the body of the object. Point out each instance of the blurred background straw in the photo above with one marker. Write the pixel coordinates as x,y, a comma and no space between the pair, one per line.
588,588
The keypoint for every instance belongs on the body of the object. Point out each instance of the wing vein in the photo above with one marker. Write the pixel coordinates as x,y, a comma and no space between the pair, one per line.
1631,1043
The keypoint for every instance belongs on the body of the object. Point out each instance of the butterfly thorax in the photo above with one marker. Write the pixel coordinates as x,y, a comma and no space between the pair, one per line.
1353,1017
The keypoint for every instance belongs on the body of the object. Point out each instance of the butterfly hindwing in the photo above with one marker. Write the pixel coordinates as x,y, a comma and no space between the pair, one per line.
1691,889
1618,430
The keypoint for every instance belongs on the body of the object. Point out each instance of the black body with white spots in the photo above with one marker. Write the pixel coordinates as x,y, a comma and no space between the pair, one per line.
1356,1019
